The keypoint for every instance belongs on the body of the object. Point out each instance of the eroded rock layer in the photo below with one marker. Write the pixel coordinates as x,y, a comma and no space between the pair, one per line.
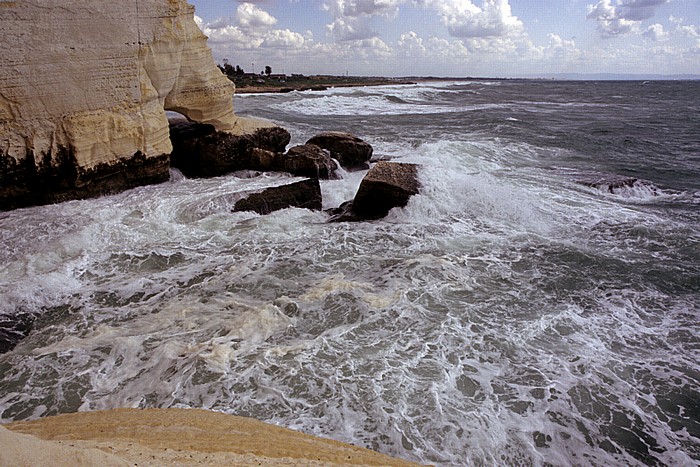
83,87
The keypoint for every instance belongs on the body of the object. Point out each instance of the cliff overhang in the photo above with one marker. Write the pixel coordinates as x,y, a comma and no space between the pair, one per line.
83,92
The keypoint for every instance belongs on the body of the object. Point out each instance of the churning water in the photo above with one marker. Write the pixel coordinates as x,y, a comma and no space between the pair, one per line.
507,315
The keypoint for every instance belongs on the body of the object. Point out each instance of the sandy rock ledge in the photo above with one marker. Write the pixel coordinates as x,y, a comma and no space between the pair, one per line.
171,437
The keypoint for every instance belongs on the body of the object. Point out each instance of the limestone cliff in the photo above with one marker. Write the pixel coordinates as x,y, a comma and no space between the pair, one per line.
83,91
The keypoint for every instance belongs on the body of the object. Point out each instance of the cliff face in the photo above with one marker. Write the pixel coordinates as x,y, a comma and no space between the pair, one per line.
83,91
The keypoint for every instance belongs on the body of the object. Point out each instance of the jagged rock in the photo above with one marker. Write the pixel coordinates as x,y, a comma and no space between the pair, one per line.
80,98
273,139
309,160
265,161
200,153
304,161
349,150
387,185
304,194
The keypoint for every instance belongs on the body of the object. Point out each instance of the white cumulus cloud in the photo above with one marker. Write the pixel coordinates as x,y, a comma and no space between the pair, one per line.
356,8
250,16
656,32
464,19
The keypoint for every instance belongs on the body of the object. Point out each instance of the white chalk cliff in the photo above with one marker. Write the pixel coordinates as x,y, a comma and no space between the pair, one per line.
84,85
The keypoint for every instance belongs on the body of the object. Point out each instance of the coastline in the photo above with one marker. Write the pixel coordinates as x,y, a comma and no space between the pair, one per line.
280,88
172,436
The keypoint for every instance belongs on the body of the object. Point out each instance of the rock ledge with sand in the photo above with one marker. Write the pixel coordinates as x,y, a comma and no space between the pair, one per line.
172,437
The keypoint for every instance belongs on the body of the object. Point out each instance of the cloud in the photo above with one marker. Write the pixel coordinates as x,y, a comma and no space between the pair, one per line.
357,8
556,42
350,17
639,10
610,22
250,29
283,38
656,32
623,18
465,20
350,29
411,45
251,17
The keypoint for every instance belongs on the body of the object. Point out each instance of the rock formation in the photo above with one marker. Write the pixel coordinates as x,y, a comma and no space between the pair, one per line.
83,89
350,151
386,186
309,160
304,194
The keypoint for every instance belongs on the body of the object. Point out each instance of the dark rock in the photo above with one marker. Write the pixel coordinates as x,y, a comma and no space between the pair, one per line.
201,151
266,161
304,194
273,139
304,161
54,178
344,213
181,130
386,186
611,183
309,160
197,152
349,150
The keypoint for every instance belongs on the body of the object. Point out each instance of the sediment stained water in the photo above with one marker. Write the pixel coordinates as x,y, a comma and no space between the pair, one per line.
507,315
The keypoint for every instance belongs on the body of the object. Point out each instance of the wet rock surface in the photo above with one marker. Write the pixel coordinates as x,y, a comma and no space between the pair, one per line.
350,151
386,186
303,194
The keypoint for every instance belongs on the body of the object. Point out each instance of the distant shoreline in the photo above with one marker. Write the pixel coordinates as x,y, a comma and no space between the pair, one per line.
260,84
317,83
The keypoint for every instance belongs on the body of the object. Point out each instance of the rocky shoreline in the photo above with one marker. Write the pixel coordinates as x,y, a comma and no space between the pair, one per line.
77,131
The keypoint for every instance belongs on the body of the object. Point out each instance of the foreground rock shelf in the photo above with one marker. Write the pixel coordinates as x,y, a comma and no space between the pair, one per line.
171,437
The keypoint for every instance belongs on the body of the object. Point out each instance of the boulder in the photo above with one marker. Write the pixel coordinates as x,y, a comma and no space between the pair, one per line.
304,161
309,160
265,161
304,194
201,151
386,186
349,150
273,139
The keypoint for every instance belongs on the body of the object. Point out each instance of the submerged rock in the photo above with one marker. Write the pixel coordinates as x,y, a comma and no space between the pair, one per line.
304,194
350,151
614,183
386,186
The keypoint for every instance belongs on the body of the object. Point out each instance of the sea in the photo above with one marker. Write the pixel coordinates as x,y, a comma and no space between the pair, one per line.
522,309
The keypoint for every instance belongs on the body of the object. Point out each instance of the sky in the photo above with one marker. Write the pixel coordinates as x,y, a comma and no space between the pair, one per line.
457,38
